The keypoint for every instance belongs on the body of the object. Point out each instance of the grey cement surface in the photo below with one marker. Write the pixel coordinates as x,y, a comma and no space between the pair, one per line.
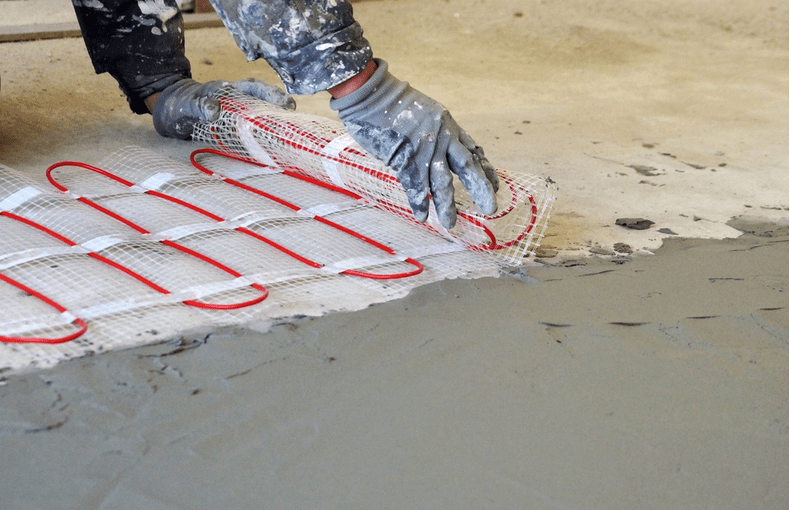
597,384
593,380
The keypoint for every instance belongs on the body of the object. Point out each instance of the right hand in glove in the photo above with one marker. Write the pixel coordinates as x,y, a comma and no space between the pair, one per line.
418,138
180,106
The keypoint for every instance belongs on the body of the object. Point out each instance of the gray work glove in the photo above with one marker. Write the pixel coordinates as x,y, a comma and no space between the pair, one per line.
183,104
417,137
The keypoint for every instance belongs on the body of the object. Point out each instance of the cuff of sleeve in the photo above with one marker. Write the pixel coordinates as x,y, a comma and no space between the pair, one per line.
136,95
374,82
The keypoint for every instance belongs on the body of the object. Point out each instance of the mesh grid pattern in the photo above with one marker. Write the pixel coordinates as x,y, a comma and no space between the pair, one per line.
142,248
321,149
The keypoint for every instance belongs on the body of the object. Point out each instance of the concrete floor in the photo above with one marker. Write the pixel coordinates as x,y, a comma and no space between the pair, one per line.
657,380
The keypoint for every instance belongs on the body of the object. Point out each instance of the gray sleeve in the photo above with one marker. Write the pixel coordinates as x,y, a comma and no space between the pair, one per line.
313,45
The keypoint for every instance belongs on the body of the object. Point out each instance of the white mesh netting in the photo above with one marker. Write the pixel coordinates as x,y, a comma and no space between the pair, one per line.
142,248
321,149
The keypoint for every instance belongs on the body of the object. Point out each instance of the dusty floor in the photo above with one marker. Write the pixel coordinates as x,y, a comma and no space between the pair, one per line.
595,380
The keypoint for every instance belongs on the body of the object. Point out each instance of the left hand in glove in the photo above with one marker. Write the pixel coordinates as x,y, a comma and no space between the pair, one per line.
180,106
417,137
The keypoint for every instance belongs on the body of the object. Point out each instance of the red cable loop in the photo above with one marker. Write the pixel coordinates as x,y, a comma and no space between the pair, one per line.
400,211
193,253
419,267
240,110
69,242
83,327
361,237
283,169
235,107
233,306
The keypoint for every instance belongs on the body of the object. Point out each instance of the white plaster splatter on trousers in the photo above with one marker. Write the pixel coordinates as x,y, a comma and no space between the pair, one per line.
93,4
405,115
144,21
325,46
158,9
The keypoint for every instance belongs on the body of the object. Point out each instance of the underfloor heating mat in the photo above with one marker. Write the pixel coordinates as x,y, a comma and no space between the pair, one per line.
282,214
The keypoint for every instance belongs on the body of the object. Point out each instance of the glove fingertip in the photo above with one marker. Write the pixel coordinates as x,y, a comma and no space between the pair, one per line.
420,216
446,210
289,103
493,178
419,203
490,208
448,221
488,169
209,109
488,204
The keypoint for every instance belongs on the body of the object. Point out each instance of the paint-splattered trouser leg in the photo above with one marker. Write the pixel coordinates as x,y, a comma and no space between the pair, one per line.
312,44
141,44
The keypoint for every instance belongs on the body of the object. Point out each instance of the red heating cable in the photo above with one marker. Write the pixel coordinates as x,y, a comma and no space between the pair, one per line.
296,208
214,306
83,326
243,230
274,129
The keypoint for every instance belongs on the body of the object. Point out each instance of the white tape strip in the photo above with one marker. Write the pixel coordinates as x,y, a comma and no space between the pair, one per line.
100,243
298,273
247,219
245,132
124,305
238,170
359,263
325,209
187,230
14,259
208,289
68,316
18,198
333,150
27,327
156,181
145,301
